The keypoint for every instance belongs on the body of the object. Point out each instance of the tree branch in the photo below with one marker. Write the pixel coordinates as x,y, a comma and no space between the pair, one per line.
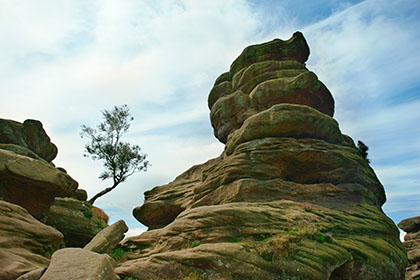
101,193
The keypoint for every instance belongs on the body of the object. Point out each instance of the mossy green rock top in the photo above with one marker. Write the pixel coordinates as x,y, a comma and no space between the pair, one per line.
295,48
261,77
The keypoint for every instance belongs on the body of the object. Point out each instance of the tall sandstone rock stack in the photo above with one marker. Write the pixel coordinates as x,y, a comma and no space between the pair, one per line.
289,198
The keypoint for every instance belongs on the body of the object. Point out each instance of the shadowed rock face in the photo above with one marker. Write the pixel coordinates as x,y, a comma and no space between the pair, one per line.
289,198
32,183
28,134
27,176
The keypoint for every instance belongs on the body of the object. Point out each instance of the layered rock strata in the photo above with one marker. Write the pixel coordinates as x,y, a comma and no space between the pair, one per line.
25,243
289,198
412,243
27,177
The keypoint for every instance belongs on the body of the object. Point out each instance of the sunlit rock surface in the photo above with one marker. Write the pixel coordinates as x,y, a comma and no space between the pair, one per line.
26,244
289,198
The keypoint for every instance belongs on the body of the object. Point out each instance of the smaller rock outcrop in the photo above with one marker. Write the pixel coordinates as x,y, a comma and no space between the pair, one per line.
412,244
29,134
108,238
79,221
77,263
26,243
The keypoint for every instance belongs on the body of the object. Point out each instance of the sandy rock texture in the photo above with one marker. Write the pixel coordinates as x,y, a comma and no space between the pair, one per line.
25,243
30,181
108,238
77,264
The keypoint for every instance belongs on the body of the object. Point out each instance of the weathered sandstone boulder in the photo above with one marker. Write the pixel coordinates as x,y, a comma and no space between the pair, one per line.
77,220
30,182
30,135
412,244
289,198
108,238
77,263
25,243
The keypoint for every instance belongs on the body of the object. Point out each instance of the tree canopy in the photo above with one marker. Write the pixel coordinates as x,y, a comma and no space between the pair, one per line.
120,159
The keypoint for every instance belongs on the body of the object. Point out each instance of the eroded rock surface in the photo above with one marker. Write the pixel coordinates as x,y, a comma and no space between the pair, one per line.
32,183
289,198
412,243
264,75
25,243
79,221
108,238
76,264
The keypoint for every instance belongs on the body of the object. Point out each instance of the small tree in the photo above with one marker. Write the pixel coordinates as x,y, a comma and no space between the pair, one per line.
120,159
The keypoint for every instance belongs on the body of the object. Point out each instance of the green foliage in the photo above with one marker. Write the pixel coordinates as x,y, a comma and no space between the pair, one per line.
120,159
117,253
234,239
87,213
261,236
268,257
195,244
100,223
194,276
122,277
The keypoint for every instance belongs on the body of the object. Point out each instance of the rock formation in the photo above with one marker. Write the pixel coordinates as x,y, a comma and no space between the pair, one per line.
30,135
27,177
77,220
26,244
412,244
77,264
289,198
29,184
108,238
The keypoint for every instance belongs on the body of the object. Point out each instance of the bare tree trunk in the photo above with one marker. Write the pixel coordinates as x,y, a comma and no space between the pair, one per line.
101,193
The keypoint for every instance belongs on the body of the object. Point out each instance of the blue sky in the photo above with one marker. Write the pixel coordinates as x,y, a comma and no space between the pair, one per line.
62,62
